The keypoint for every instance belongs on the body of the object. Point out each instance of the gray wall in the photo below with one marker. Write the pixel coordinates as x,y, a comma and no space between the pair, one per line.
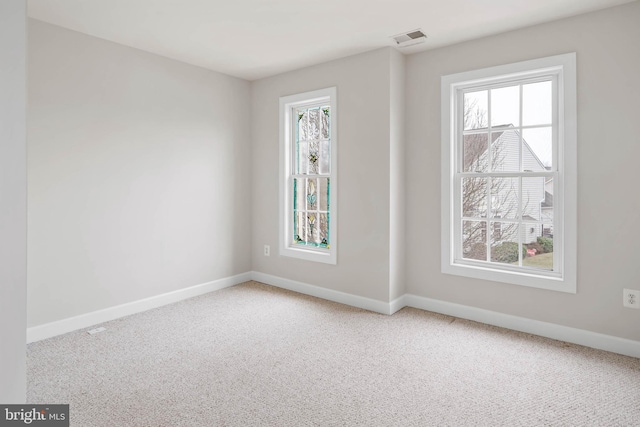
13,195
364,133
397,177
139,174
147,175
608,57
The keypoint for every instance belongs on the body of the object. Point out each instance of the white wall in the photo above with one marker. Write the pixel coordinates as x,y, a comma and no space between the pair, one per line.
608,58
397,177
364,132
139,174
13,195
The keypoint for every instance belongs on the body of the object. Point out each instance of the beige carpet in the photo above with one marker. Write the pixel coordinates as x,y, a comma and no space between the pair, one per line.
257,355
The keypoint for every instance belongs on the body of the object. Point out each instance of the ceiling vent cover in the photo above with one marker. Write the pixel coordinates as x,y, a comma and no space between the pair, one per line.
410,38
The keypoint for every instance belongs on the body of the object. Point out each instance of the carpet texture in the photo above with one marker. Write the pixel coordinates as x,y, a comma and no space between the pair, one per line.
258,355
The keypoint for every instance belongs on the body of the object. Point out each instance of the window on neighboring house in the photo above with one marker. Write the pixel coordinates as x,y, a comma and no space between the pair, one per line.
308,175
509,165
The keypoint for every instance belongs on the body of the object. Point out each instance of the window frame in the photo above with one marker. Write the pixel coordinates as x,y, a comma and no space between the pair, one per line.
564,168
287,167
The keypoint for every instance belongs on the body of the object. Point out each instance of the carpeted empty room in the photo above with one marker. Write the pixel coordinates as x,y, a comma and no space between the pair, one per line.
254,354
319,213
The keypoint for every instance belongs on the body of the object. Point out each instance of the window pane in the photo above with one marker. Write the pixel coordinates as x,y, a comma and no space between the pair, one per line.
323,231
325,158
474,151
536,103
537,149
504,197
300,227
299,194
302,158
310,229
302,130
324,121
311,195
474,197
323,194
533,198
539,249
504,242
505,151
547,206
474,240
313,157
505,106
475,107
315,122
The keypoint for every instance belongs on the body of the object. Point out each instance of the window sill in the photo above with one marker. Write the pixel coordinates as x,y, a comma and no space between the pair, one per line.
521,278
310,254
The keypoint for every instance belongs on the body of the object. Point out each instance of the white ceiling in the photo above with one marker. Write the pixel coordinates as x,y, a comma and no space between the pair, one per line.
252,39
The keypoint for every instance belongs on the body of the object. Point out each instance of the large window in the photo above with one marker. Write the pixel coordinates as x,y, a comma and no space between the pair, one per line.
308,175
509,173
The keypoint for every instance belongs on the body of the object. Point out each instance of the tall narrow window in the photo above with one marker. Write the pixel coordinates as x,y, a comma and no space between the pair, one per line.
308,175
509,173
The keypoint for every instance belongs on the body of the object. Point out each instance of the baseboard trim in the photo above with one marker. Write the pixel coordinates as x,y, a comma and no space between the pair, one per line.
398,304
324,293
549,330
59,327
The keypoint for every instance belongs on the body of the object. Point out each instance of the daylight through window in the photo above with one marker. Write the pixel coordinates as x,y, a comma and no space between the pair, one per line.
308,187
507,147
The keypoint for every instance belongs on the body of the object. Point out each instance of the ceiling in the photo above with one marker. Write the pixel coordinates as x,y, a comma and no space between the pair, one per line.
252,39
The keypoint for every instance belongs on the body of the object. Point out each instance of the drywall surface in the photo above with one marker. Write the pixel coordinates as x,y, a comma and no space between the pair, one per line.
363,88
13,200
608,60
397,178
139,174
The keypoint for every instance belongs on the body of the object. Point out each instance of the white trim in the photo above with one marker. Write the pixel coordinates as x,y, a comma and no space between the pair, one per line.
536,327
59,327
324,293
287,103
398,304
564,68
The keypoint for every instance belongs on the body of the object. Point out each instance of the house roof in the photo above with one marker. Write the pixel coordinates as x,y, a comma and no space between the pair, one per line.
510,128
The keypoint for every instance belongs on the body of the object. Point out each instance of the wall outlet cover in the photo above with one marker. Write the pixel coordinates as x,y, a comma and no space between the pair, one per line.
631,298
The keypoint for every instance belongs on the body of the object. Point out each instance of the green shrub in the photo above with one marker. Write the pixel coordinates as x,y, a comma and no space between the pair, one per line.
546,243
507,252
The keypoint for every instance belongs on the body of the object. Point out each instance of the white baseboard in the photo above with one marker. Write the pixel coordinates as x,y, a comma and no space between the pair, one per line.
324,293
48,330
535,327
398,304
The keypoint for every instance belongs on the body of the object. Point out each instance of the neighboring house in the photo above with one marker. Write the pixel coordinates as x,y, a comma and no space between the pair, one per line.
537,192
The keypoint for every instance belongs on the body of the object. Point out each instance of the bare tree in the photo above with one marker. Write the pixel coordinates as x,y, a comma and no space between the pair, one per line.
485,152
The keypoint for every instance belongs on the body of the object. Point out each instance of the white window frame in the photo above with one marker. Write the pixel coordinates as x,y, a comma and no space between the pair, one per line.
287,162
563,69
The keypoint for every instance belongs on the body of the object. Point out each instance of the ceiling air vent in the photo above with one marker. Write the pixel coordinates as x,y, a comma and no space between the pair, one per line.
410,38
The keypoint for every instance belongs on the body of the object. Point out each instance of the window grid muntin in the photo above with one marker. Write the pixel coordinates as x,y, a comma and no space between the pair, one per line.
459,173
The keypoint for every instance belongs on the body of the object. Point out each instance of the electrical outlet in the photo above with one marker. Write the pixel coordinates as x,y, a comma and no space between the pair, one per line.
96,330
631,298
267,250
